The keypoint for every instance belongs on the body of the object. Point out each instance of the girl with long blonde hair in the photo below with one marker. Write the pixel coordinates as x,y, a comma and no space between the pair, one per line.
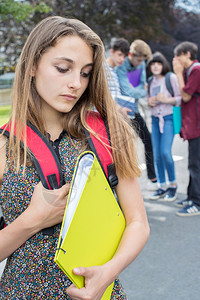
59,77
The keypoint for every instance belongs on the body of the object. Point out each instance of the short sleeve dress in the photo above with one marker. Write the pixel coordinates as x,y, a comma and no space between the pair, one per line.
30,272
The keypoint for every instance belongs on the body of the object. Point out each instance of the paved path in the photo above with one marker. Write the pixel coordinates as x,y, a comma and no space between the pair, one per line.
168,267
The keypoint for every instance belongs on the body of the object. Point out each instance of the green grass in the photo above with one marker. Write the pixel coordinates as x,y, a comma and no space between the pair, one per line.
4,114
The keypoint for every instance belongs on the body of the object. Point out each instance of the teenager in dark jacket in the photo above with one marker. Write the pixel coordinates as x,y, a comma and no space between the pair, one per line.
187,70
132,80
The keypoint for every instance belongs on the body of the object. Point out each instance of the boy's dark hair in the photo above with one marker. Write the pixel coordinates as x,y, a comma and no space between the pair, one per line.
185,47
122,45
158,57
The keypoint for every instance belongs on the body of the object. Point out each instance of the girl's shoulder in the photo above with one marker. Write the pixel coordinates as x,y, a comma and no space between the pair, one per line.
2,156
173,76
173,79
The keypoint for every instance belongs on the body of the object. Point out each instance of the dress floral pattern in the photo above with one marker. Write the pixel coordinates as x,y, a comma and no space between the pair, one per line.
31,272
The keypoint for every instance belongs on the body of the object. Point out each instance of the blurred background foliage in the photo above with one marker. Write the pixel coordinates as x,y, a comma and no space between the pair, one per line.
161,23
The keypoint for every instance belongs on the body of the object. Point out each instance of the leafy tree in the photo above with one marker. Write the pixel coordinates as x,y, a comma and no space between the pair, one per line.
108,18
189,5
158,22
20,10
14,18
186,28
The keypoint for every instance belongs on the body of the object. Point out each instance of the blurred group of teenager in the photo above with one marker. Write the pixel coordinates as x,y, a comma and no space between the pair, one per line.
148,103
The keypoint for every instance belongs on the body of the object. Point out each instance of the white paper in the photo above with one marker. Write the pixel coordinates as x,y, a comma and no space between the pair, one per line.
82,172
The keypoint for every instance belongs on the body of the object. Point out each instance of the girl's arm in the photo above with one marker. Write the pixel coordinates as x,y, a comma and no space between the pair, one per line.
176,89
137,228
176,99
133,240
44,211
167,100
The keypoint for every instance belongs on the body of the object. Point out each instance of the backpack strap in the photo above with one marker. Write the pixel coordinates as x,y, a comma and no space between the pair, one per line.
149,81
48,164
2,223
191,67
44,156
103,154
189,72
168,83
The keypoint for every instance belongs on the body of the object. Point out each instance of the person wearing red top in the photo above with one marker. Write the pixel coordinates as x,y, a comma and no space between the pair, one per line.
187,70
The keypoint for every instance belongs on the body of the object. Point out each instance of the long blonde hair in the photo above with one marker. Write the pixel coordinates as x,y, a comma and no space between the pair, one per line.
26,102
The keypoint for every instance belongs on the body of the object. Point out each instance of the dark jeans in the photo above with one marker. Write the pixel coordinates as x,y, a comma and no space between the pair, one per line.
194,170
141,128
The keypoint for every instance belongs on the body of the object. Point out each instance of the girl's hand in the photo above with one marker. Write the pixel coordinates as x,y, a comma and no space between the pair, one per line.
125,111
45,210
47,206
152,101
161,98
95,284
177,66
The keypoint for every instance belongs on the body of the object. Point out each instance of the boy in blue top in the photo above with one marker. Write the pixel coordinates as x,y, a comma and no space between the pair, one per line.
132,80
139,52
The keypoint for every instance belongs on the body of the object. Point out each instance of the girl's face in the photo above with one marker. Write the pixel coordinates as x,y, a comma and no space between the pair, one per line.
156,68
63,73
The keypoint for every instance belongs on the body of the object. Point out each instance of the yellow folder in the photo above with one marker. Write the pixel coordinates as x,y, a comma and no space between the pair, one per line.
93,222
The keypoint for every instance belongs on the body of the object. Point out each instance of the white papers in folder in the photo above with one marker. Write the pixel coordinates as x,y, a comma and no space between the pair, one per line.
155,91
127,98
80,178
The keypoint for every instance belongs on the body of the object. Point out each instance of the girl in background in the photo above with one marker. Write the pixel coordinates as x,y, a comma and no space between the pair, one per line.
59,76
162,102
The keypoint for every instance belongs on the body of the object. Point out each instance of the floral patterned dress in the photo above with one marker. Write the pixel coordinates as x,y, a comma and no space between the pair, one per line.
31,272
